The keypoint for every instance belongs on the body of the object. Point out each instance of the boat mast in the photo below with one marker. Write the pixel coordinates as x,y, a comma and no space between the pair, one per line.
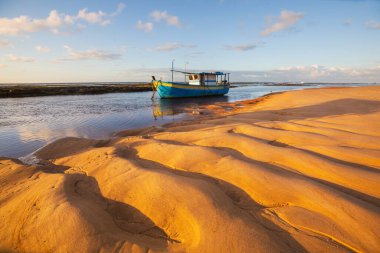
172,68
186,70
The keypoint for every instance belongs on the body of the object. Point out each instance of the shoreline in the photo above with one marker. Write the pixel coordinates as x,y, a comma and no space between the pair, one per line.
17,91
294,171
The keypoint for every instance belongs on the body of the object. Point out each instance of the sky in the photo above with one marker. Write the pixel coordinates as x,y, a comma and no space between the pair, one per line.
130,40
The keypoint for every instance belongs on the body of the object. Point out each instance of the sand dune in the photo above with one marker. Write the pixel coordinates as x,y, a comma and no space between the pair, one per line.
292,172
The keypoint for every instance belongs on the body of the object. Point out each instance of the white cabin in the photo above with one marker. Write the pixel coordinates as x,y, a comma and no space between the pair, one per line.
207,79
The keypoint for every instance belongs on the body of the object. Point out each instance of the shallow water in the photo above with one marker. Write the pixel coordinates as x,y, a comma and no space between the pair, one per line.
27,124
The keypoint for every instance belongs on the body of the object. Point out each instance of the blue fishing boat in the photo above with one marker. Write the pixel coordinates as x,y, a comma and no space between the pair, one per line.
197,84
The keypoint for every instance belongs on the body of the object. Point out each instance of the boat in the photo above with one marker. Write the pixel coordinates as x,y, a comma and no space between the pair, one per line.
197,84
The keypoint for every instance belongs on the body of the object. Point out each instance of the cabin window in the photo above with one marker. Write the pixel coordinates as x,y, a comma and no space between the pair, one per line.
195,77
190,77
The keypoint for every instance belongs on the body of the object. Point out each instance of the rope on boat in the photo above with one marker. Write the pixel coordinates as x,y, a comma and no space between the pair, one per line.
155,85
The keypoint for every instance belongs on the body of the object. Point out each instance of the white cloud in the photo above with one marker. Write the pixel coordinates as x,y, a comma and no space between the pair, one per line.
42,49
163,15
4,43
2,65
120,8
24,24
241,47
93,17
285,74
147,27
373,25
14,58
312,73
172,46
54,21
284,21
89,55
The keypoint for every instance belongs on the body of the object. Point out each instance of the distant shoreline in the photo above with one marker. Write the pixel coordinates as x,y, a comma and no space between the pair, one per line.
26,90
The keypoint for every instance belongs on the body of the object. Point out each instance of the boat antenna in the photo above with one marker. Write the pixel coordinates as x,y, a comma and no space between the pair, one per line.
186,69
172,68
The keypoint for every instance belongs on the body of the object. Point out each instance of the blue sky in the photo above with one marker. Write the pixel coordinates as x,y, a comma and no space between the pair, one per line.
79,41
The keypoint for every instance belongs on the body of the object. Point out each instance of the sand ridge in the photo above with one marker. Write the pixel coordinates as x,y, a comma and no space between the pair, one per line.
297,171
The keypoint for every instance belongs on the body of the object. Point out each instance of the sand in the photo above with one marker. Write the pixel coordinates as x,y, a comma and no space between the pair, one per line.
291,172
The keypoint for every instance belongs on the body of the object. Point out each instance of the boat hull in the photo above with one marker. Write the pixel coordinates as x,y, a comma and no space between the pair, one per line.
177,90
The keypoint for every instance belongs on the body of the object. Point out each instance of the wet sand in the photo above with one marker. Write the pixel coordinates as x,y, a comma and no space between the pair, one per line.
297,171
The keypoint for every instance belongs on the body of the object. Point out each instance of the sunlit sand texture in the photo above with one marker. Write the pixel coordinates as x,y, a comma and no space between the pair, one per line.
297,171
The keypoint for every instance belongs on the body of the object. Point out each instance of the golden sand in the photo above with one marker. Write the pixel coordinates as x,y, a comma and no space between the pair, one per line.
292,172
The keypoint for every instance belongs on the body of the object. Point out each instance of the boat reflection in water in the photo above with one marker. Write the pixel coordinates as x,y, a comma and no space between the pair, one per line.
167,107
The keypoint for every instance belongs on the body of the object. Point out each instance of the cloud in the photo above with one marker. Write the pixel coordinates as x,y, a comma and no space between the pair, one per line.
2,65
120,8
311,73
14,58
147,27
91,54
158,16
54,21
23,24
373,25
172,46
284,21
163,15
4,43
241,47
42,49
93,17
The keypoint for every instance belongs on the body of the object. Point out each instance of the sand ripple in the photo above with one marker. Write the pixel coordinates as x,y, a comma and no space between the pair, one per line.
292,172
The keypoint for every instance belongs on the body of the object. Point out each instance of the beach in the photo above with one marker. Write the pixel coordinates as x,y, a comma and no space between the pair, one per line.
295,171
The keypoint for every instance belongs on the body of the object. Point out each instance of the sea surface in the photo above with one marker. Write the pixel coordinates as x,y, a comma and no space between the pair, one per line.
27,124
